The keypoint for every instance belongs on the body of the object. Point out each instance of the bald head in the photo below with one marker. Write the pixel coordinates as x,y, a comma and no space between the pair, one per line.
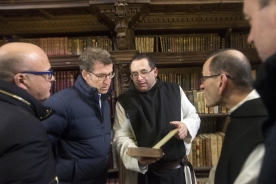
233,63
17,57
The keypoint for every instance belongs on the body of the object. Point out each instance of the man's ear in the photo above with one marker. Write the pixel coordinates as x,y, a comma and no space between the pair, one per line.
20,80
222,84
155,72
84,75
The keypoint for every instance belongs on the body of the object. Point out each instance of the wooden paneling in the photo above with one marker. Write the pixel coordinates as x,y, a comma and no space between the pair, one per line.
68,16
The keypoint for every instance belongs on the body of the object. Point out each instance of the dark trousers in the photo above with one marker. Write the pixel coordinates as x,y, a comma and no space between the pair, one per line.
171,176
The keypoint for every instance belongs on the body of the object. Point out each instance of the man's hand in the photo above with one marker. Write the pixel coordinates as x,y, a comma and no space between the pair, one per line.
143,161
182,132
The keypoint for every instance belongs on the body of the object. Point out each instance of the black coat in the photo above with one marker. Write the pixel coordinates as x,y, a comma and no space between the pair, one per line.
25,152
266,86
243,135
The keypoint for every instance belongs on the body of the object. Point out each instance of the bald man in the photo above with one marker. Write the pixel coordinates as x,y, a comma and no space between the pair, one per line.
227,81
25,81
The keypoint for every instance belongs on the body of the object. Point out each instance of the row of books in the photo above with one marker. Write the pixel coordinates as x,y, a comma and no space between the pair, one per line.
208,125
55,46
64,79
239,41
178,43
206,149
187,81
58,46
197,98
67,78
189,42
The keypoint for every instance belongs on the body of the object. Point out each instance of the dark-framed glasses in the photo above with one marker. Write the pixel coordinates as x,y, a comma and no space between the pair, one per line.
143,74
203,78
102,77
48,73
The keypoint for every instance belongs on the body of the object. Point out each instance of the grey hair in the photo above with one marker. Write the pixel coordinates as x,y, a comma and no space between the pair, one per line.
236,66
90,56
11,64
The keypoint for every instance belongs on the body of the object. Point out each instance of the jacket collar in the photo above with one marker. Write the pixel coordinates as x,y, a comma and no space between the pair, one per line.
89,92
11,93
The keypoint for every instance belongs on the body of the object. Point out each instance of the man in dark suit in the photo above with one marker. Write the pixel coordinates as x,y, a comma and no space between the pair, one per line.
25,80
261,15
227,81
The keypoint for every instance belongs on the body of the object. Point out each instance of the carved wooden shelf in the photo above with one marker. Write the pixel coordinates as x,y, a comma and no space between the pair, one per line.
64,62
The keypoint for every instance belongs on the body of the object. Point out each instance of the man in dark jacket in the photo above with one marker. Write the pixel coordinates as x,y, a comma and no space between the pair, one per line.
25,80
261,17
80,128
227,81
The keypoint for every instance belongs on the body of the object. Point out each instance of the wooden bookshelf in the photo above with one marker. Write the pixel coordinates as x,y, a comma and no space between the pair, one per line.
141,18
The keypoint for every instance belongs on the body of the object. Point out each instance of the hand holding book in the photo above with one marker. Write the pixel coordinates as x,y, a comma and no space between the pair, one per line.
155,151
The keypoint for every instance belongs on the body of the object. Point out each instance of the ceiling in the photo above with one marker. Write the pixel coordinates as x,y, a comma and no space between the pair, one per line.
67,17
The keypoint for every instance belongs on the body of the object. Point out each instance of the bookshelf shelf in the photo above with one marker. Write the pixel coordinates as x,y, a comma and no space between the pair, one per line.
193,58
64,62
202,172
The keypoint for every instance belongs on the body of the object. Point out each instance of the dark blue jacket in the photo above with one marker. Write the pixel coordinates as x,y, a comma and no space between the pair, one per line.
80,134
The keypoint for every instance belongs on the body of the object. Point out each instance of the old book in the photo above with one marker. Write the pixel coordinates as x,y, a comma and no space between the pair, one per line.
155,151
214,149
195,100
203,150
145,152
190,96
219,142
194,152
222,135
208,154
197,140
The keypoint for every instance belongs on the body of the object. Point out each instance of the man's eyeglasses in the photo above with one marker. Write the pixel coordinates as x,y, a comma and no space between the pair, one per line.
48,73
143,74
203,78
102,77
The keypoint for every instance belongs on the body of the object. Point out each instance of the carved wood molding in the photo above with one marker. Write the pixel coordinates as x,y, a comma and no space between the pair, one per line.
55,26
36,4
122,76
102,18
182,21
193,1
97,16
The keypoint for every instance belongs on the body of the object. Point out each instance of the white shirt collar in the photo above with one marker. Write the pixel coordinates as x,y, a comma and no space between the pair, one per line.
252,95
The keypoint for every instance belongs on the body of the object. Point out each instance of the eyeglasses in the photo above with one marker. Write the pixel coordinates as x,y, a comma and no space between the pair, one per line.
203,78
48,73
143,74
102,77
